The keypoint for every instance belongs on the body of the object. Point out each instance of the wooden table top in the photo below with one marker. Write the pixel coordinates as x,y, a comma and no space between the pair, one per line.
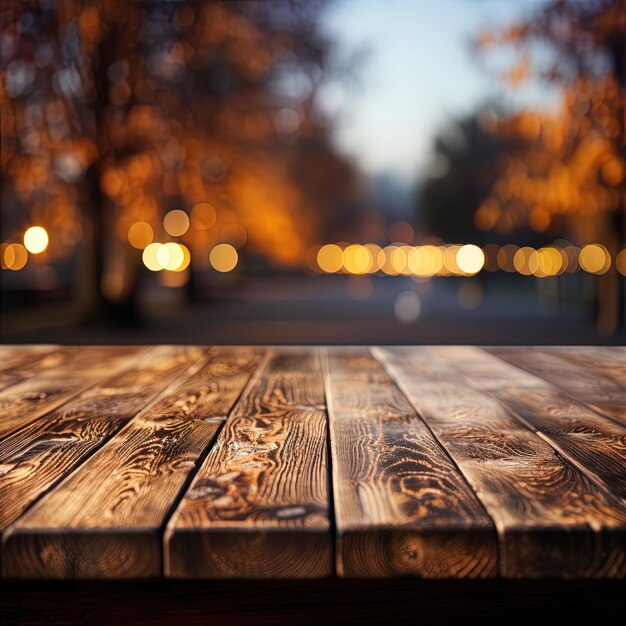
237,462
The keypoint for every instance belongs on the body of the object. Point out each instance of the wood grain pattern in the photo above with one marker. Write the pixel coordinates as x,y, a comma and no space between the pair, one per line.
609,362
57,378
38,456
602,393
258,506
552,520
592,442
110,527
18,362
446,462
10,350
401,506
14,353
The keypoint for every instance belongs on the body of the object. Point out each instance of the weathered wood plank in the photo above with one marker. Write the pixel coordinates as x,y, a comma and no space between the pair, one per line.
9,349
14,350
104,520
36,457
16,368
552,519
594,443
600,392
72,360
16,362
258,507
57,378
25,364
401,506
610,362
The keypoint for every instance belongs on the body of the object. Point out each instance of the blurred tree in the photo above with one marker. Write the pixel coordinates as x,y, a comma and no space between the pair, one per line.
572,170
116,112
467,161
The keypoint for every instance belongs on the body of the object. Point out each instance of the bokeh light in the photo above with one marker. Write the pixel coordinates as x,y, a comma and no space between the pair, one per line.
384,261
525,261
549,262
223,257
426,261
434,260
184,264
36,239
330,258
407,307
470,259
149,257
357,259
13,256
140,234
176,223
397,258
203,216
374,250
450,266
595,259
170,256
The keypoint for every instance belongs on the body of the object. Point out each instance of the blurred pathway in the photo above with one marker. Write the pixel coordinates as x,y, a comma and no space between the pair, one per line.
328,310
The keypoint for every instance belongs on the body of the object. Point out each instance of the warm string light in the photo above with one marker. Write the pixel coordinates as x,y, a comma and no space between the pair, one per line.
171,256
463,260
422,261
14,255
223,258
156,256
175,257
36,239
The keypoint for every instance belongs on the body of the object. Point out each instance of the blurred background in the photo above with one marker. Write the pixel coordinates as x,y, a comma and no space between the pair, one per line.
319,171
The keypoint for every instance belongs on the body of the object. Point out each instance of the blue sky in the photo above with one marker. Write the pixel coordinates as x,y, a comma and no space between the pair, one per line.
418,75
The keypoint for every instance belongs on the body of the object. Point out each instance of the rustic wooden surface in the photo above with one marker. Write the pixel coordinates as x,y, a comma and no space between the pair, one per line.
401,505
45,450
551,518
601,388
233,462
54,379
114,530
258,507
